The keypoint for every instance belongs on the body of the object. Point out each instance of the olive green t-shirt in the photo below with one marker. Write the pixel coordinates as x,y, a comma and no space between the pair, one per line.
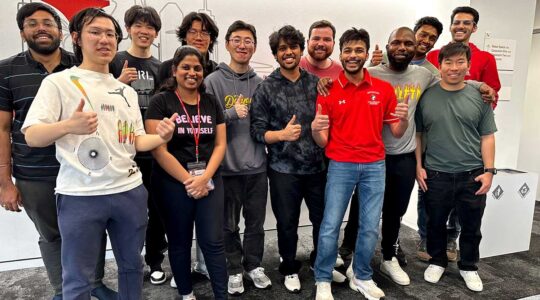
453,123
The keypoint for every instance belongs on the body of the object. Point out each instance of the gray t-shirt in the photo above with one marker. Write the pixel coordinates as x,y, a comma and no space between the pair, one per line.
453,123
410,83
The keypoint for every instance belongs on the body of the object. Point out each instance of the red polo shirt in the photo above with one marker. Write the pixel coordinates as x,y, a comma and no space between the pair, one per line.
357,114
483,68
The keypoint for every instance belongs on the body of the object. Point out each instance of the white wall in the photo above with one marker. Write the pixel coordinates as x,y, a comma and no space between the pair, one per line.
529,154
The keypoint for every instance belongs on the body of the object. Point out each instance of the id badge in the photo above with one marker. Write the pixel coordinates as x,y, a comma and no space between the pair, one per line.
197,169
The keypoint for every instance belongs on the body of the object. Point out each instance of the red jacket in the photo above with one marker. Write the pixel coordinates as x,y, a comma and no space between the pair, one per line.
483,68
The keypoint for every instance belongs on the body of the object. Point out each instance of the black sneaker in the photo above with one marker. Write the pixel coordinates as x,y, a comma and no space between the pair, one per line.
157,277
400,255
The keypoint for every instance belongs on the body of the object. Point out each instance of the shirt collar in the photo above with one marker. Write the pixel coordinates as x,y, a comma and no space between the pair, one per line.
343,81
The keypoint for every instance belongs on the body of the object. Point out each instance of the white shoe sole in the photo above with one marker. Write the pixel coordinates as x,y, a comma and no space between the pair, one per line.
256,285
356,289
387,274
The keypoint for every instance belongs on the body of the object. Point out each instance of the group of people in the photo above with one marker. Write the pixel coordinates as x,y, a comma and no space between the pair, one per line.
105,142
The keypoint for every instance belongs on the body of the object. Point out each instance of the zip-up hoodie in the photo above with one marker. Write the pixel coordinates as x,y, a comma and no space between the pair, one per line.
244,156
275,101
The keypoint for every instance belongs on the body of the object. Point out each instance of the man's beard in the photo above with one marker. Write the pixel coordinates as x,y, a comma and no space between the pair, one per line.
44,49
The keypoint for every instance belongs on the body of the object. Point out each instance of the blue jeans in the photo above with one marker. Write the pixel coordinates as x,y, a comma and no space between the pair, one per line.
369,179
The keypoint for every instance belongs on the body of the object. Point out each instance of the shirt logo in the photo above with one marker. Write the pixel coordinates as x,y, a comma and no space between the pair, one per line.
340,102
373,100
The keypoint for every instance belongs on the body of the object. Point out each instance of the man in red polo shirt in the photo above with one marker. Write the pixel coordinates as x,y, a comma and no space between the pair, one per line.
349,124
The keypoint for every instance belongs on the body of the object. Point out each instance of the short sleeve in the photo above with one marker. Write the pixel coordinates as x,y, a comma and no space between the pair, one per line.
6,97
46,107
157,110
487,123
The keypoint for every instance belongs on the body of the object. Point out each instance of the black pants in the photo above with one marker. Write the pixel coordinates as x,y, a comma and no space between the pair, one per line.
287,192
155,241
247,193
447,191
400,177
179,213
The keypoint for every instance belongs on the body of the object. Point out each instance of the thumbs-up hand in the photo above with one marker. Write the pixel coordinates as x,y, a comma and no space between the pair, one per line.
241,109
402,110
321,122
82,122
292,131
128,74
376,56
165,127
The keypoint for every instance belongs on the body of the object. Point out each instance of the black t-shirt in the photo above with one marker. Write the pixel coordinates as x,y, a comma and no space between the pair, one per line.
147,71
182,144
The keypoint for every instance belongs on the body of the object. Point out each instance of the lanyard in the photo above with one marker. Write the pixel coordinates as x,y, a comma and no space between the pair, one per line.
196,135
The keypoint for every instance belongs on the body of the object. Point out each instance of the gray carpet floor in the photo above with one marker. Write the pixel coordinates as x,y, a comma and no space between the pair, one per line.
511,276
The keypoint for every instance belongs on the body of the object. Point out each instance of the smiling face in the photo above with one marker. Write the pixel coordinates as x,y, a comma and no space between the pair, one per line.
98,41
321,43
241,46
462,27
453,69
401,49
288,56
198,37
426,37
189,73
41,32
142,34
353,56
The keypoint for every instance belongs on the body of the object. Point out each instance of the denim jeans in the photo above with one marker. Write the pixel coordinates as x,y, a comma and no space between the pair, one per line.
447,191
369,179
246,193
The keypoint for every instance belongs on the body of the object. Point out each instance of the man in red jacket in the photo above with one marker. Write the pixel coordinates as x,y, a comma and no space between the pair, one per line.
464,22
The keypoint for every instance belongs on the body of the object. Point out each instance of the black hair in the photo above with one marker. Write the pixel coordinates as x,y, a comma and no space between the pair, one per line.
290,35
322,24
85,17
454,48
354,34
29,9
466,10
170,84
207,24
147,14
241,25
431,21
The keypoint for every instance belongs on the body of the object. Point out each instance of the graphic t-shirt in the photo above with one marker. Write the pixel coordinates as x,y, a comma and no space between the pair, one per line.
100,163
182,144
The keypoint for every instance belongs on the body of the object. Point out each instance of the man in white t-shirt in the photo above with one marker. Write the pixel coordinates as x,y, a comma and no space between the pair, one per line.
95,123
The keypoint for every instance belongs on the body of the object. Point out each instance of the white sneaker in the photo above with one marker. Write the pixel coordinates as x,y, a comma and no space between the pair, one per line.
259,278
158,277
472,280
394,271
350,272
433,273
173,283
368,288
339,261
189,297
292,283
338,277
324,291
236,284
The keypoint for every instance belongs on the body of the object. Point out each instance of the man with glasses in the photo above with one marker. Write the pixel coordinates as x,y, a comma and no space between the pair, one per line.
483,68
244,165
36,169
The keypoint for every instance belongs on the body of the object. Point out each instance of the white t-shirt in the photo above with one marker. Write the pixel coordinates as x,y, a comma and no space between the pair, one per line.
119,121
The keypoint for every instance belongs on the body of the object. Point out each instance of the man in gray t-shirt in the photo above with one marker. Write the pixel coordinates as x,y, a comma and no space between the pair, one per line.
459,167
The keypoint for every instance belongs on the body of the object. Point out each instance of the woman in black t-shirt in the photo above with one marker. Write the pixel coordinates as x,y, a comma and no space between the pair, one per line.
186,179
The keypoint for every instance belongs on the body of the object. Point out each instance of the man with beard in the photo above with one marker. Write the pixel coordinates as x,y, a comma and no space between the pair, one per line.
357,100
35,169
320,47
282,110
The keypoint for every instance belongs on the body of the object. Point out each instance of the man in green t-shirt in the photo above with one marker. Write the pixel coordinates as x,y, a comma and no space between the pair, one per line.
459,162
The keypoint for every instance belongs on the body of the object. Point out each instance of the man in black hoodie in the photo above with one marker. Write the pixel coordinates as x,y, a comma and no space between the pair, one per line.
244,166
281,114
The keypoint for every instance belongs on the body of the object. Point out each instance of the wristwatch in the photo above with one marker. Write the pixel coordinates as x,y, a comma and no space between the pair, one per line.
490,170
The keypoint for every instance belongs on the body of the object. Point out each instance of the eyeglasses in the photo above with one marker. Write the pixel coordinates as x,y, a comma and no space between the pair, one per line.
464,22
237,41
97,34
33,24
203,33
